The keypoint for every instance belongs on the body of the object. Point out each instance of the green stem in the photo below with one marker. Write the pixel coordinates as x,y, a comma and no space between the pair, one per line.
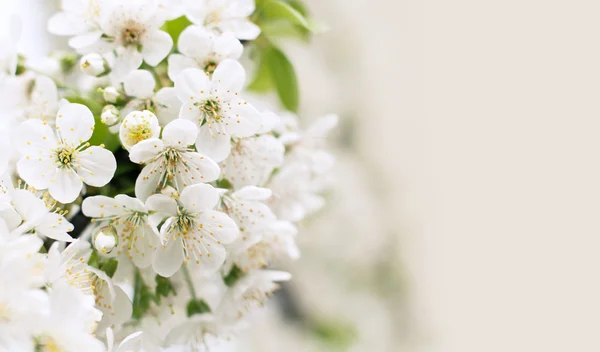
188,279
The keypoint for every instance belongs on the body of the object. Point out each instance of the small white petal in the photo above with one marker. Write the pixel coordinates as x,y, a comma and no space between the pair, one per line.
178,63
168,260
192,85
253,193
139,84
96,166
199,197
216,146
66,186
74,123
166,105
156,47
101,206
228,79
146,150
219,225
180,133
55,226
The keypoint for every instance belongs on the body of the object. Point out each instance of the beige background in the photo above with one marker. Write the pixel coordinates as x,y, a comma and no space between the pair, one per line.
481,121
477,125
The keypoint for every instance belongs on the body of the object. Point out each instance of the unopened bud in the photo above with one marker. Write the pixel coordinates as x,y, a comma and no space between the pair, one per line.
93,64
105,239
111,94
110,115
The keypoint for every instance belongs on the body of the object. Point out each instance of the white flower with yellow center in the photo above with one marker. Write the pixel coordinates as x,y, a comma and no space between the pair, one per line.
194,233
224,16
129,218
204,50
215,106
171,161
138,126
61,162
131,29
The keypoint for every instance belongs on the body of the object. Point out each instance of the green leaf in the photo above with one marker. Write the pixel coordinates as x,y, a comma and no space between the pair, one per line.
262,81
284,77
224,183
109,267
176,26
276,9
234,275
93,261
197,306
163,287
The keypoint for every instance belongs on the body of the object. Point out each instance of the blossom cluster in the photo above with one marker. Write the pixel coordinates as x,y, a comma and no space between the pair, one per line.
145,197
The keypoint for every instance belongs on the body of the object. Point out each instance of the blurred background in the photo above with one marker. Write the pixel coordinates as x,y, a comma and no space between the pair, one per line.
464,216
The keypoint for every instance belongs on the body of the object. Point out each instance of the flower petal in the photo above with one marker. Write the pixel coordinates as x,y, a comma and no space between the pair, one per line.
228,79
216,146
199,197
55,226
130,203
178,63
100,207
156,46
66,186
36,171
74,123
33,136
195,168
168,259
148,181
253,193
219,226
96,166
207,257
180,133
66,23
166,105
244,119
146,150
195,42
191,112
139,84
127,60
31,208
192,85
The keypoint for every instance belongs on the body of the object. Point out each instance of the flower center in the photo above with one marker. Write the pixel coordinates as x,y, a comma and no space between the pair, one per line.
211,109
65,157
139,132
132,34
184,223
210,66
47,344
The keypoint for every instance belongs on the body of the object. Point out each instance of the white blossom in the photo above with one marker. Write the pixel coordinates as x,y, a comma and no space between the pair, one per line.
224,16
215,106
170,160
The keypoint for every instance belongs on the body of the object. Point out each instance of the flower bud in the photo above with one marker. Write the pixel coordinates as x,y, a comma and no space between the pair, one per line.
93,64
111,94
138,126
105,239
110,115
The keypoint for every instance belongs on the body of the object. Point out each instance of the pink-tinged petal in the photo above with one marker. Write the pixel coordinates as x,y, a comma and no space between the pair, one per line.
96,166
74,123
198,198
146,150
156,47
100,207
180,133
213,144
168,259
66,186
192,85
